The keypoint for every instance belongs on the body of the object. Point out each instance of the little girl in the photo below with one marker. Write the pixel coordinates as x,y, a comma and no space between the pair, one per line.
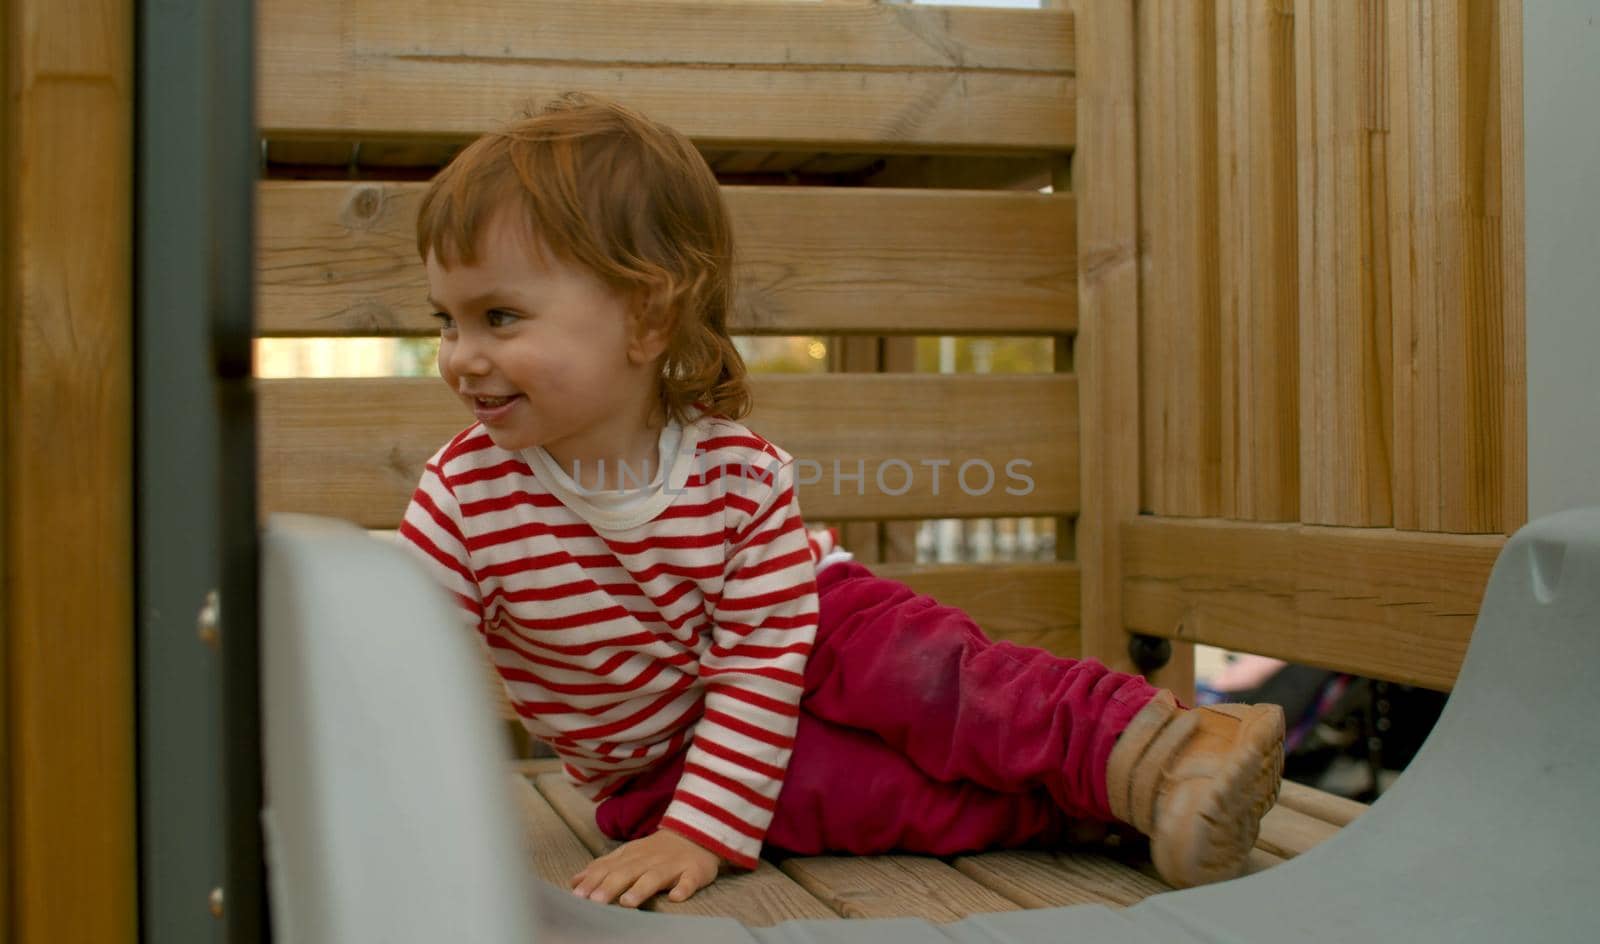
715,676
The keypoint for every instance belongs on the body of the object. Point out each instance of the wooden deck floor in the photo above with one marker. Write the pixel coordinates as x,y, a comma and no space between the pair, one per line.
938,890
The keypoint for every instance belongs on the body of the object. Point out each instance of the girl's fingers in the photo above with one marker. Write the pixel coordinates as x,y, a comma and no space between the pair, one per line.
686,887
648,884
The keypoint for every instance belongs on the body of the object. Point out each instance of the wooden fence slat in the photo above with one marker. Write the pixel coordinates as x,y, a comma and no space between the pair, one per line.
1388,604
1030,604
1345,356
891,77
1258,261
1444,182
1179,294
1054,879
894,886
337,258
354,448
757,898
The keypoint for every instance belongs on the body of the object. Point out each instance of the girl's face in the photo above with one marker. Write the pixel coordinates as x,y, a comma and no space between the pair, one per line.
541,351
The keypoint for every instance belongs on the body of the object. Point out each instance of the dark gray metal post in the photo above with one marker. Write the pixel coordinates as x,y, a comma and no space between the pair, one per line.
201,872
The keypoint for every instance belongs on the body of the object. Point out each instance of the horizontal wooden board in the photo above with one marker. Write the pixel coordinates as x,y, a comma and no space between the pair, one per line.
1030,604
339,258
354,448
1057,879
1387,604
1320,804
755,74
894,886
1287,832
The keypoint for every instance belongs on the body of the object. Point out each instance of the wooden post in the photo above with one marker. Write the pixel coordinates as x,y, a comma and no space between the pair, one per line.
67,843
1106,353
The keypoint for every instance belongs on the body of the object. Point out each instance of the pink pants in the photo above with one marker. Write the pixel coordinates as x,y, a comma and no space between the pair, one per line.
919,734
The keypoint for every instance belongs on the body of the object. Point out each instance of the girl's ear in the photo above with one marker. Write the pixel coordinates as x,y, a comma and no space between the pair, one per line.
652,329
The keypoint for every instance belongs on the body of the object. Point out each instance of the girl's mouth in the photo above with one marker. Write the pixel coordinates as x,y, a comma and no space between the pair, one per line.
489,409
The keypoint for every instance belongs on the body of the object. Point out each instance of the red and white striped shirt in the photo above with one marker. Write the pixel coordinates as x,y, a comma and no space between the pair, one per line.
618,646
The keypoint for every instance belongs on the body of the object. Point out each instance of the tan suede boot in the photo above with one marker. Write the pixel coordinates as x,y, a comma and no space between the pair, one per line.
1197,782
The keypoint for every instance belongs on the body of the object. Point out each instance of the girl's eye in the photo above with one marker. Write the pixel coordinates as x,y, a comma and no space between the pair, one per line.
499,319
445,323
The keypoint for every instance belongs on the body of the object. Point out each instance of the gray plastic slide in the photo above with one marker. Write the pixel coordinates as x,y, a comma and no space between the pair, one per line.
389,814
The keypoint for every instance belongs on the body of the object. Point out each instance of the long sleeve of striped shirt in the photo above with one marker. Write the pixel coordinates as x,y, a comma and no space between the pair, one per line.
753,672
433,529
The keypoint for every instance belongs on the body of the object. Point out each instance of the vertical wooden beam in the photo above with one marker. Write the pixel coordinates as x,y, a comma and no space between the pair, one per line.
1258,260
1345,351
1106,350
1513,227
67,617
8,387
1179,353
1445,181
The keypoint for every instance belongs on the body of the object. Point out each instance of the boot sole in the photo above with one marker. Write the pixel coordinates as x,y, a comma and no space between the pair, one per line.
1214,814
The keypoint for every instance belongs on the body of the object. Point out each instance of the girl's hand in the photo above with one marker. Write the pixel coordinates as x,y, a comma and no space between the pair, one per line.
639,869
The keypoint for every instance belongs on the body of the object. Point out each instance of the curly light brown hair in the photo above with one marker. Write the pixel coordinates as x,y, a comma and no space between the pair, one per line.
629,199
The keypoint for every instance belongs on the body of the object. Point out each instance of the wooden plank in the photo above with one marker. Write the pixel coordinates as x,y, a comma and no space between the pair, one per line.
1319,804
354,448
340,258
1106,349
1513,287
557,853
1054,879
1388,604
68,843
1258,261
575,810
1260,860
894,886
1345,356
1030,604
758,898
1288,832
726,73
1179,353
1444,181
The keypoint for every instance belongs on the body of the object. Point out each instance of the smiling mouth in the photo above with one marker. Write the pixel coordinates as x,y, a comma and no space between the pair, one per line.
490,403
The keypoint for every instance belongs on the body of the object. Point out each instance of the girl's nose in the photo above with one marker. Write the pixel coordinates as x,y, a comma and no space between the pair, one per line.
466,357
